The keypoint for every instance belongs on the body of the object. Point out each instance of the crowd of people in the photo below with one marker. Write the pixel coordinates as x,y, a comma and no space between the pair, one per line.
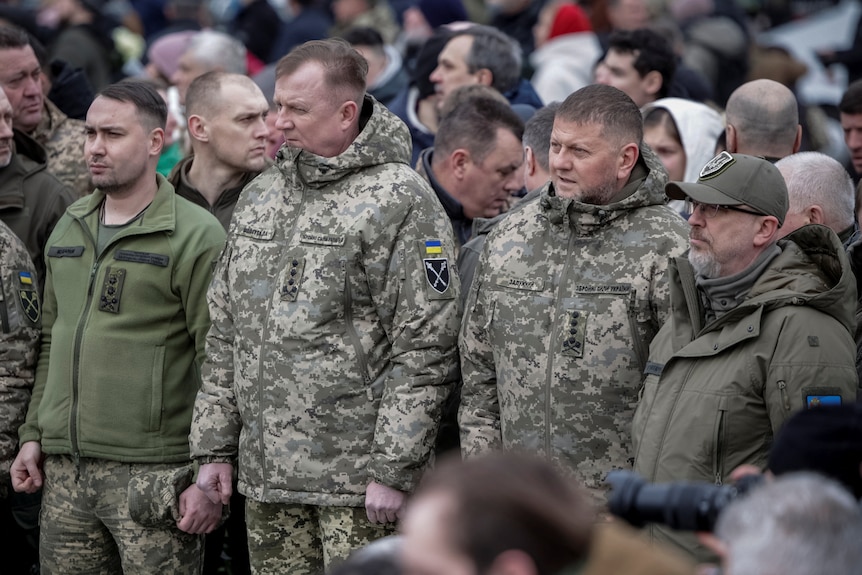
370,286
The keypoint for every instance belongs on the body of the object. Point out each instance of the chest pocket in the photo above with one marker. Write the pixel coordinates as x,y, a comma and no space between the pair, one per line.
521,309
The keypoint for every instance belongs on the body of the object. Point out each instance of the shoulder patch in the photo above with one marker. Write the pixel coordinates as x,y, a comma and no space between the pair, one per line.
30,305
716,165
437,269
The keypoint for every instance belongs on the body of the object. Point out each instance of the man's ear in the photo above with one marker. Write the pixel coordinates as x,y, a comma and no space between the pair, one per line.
731,140
652,82
484,76
459,160
815,214
628,157
765,234
198,128
347,114
797,143
529,162
157,141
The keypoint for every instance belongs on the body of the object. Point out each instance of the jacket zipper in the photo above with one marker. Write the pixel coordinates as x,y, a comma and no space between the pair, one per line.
782,388
718,447
551,355
263,344
351,329
4,313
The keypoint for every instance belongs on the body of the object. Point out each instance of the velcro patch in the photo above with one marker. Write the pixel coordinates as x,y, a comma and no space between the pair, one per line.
437,273
820,396
142,258
112,290
65,251
30,305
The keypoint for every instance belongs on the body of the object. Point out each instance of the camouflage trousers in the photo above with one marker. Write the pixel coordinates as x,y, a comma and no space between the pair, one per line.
305,539
86,526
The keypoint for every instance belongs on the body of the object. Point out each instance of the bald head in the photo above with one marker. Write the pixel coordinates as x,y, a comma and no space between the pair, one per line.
763,120
820,192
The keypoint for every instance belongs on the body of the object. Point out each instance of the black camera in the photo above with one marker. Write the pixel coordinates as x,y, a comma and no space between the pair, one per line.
684,506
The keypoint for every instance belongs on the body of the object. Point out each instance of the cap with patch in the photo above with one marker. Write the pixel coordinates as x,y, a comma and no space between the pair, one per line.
736,179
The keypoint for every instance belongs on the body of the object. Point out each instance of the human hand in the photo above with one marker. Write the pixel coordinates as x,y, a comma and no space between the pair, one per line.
383,504
198,514
26,470
216,481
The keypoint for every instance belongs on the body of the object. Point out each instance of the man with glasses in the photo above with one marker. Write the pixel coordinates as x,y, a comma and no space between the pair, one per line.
760,328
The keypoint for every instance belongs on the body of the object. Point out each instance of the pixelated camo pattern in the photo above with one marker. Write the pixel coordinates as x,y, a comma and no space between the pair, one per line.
63,140
19,341
548,354
331,352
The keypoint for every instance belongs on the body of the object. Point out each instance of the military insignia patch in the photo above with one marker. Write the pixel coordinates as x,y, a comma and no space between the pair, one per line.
26,278
437,273
716,165
30,305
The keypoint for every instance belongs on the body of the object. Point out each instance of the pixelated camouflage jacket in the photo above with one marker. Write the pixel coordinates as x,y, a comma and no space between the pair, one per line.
716,393
335,314
556,327
62,138
123,332
19,342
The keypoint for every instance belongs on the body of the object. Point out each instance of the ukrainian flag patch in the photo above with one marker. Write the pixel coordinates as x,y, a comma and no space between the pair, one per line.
433,247
26,278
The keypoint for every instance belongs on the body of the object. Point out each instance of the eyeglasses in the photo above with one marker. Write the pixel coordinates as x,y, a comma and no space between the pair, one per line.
709,211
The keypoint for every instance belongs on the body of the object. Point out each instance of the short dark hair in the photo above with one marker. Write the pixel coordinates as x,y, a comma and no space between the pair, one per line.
152,110
203,95
363,36
495,51
606,106
12,36
345,69
851,101
537,133
651,51
473,126
507,500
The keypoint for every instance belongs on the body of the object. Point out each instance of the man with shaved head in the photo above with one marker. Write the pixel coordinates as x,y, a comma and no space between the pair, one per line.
228,133
763,120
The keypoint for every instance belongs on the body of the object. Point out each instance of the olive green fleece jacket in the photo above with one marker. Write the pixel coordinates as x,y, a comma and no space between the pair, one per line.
123,332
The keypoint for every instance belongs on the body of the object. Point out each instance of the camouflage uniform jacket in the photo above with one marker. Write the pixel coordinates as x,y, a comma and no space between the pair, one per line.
19,342
63,140
716,393
335,319
123,332
32,201
556,327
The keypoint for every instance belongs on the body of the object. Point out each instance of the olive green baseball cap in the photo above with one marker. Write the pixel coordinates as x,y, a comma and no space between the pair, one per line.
736,179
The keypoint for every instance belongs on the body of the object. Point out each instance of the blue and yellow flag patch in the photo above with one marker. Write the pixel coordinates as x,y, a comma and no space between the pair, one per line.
26,278
433,247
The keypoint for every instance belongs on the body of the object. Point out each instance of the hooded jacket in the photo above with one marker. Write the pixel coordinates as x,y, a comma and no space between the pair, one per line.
556,327
716,393
335,313
123,332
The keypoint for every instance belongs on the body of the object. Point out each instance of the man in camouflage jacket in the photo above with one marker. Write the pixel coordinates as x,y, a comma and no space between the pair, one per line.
335,313
569,292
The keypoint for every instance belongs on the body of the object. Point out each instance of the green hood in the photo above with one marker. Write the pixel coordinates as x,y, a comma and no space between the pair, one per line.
383,139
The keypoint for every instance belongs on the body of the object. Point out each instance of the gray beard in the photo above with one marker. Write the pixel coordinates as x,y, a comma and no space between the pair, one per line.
704,265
